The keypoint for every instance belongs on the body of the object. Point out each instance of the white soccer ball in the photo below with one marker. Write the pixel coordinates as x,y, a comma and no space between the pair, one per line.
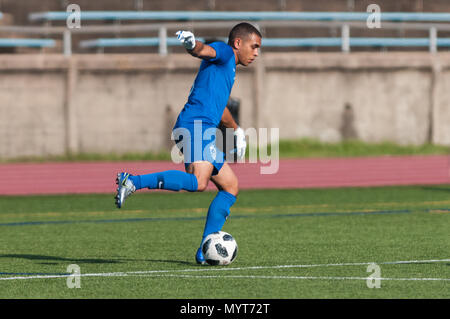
219,248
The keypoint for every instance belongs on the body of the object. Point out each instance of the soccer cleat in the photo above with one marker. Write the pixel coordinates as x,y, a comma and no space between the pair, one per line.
199,257
125,189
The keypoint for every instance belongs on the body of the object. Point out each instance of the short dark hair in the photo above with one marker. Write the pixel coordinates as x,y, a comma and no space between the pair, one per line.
242,30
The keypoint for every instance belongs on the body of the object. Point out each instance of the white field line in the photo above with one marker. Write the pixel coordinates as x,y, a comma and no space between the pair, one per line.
209,269
298,277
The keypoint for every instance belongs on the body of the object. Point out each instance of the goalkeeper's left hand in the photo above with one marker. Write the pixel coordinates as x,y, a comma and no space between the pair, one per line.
241,144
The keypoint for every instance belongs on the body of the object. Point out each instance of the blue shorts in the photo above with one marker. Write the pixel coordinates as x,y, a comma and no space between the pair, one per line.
197,142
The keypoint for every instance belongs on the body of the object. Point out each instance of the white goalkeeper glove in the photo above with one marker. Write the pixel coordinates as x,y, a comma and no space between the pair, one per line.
241,144
187,38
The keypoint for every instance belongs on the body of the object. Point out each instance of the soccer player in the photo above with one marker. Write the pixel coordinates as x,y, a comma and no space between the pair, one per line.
197,122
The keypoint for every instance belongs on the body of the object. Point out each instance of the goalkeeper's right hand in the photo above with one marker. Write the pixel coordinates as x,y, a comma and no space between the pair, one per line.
241,144
187,38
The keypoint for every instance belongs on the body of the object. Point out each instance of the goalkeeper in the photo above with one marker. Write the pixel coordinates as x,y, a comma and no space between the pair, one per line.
201,115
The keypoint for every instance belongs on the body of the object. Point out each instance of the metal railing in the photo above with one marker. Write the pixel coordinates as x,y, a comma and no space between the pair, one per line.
29,43
276,42
240,15
345,21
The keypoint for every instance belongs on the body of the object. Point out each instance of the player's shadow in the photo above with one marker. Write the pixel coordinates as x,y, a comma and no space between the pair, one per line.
53,259
178,262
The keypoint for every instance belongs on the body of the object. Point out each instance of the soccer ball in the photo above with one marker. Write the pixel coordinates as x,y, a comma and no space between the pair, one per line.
219,248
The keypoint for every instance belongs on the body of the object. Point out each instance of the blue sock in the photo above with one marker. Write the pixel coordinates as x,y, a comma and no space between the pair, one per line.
218,212
171,180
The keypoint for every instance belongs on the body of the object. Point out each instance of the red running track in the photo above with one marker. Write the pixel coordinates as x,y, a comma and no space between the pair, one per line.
99,177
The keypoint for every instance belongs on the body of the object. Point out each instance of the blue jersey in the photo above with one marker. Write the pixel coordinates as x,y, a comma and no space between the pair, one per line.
211,89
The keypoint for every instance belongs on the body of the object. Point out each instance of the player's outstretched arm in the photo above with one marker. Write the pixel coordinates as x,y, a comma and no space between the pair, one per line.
194,47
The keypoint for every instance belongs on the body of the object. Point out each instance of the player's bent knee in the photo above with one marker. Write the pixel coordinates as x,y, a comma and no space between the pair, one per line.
233,188
202,185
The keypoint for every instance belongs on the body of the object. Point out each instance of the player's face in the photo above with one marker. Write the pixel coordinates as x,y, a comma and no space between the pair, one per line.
248,49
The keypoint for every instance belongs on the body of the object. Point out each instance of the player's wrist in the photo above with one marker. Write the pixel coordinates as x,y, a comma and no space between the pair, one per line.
191,45
238,131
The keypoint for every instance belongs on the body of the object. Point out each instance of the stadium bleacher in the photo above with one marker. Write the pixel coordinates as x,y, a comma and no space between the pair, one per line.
14,43
29,43
20,9
286,25
280,42
239,15
345,44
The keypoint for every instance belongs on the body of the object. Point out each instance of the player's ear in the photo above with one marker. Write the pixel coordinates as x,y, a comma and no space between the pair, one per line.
237,43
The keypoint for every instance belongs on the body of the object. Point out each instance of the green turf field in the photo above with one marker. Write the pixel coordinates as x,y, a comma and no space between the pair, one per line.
292,244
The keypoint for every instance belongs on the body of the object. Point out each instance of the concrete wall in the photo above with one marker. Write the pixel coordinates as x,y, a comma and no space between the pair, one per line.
50,104
31,113
400,97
